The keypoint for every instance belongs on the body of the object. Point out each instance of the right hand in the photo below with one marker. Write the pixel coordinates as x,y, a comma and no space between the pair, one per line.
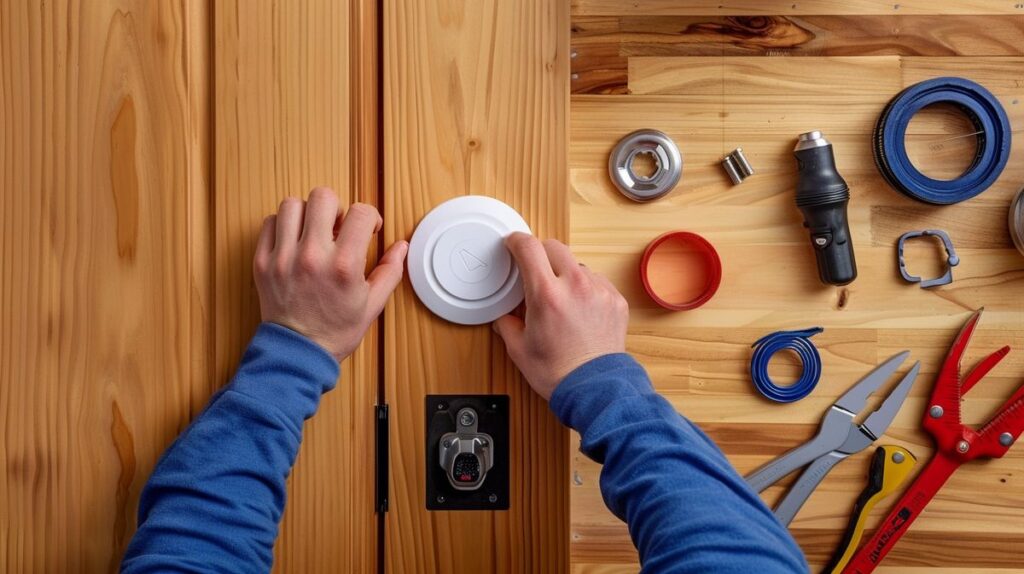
572,315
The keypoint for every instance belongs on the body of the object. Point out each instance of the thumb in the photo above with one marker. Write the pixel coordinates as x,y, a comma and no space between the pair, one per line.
511,329
386,276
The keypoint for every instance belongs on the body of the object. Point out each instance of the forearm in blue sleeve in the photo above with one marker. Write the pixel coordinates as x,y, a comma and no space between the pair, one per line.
687,508
214,501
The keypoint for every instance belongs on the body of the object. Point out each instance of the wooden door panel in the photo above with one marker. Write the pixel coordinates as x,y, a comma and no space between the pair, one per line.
474,103
105,289
295,108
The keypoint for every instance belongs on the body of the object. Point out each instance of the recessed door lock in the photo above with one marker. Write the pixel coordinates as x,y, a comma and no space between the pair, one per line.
467,452
465,455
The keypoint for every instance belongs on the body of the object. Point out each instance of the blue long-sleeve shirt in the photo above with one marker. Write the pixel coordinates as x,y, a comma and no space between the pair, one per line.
687,508
215,498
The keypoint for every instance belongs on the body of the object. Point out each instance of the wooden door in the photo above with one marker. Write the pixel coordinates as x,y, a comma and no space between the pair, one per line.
106,289
475,101
296,107
142,143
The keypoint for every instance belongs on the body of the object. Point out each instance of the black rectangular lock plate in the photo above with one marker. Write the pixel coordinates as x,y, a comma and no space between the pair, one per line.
492,411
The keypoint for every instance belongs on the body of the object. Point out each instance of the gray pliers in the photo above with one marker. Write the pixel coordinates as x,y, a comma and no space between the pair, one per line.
838,437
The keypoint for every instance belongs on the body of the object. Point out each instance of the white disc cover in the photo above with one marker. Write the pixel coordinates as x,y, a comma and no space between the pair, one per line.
458,263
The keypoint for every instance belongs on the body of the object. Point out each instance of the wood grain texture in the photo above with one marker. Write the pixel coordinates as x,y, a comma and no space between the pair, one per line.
603,44
475,103
712,88
105,291
774,7
296,108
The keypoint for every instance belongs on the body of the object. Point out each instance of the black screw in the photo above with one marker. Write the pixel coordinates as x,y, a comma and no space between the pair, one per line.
441,406
493,498
440,499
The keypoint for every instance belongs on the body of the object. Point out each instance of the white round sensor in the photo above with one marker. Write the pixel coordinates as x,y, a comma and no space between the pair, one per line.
458,264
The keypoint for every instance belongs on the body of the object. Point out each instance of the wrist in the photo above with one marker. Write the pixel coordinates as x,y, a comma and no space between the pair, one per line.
285,368
585,392
314,342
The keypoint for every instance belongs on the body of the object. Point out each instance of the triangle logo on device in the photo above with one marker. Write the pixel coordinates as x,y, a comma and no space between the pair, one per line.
472,262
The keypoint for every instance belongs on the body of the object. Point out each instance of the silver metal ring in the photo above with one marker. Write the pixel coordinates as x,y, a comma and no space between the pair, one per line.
668,165
1017,221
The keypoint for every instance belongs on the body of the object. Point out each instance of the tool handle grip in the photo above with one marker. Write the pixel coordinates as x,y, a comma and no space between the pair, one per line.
890,467
794,500
800,456
903,514
861,508
836,262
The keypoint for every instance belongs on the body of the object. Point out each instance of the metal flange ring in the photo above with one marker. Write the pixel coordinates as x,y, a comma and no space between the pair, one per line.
668,165
1017,221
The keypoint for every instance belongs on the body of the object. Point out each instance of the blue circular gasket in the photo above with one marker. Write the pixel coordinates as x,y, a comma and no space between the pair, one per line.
984,111
798,342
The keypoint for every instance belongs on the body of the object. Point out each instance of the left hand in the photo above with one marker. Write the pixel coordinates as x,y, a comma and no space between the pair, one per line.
314,283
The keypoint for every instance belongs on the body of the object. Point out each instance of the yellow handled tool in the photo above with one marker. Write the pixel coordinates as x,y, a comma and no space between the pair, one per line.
890,468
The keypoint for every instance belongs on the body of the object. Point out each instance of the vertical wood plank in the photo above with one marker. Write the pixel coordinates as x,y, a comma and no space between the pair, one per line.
104,294
475,103
295,104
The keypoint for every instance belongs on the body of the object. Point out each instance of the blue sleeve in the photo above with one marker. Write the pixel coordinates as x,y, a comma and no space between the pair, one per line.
214,501
687,508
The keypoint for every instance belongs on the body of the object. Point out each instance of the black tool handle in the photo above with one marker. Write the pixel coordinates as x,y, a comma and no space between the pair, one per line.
873,487
833,247
822,195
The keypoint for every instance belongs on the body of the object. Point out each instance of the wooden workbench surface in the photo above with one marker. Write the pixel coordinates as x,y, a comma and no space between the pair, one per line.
717,75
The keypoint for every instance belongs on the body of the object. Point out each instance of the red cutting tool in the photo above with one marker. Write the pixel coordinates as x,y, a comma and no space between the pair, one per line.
955,444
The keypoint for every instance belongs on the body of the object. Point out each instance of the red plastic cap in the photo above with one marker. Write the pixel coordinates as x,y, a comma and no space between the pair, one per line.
675,254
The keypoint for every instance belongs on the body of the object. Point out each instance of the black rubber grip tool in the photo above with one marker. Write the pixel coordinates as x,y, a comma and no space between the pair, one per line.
822,196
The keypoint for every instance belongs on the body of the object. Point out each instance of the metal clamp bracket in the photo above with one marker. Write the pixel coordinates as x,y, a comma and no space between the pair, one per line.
952,260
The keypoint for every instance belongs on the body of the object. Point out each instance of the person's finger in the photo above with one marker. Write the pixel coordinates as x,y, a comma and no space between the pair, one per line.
289,222
265,242
321,213
531,259
264,245
359,224
386,276
511,329
562,260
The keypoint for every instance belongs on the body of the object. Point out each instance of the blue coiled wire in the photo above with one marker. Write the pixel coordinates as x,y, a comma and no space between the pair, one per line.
798,342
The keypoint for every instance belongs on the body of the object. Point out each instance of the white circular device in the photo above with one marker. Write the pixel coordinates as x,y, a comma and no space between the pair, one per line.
458,264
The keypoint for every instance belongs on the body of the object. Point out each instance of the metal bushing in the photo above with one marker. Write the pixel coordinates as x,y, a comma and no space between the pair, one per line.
668,165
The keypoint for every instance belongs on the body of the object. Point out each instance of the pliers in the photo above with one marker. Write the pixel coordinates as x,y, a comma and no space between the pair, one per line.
955,444
838,437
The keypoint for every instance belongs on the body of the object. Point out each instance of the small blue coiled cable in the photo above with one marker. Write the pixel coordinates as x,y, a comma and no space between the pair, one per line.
798,342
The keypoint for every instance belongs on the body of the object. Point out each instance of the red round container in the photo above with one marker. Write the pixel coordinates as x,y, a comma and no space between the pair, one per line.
680,270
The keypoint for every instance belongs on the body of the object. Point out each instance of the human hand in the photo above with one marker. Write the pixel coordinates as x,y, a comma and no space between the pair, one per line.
573,315
310,270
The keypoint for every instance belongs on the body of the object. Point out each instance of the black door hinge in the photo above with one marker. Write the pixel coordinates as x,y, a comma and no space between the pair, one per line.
381,490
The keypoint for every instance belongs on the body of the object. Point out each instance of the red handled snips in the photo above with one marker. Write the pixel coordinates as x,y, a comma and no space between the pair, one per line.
955,444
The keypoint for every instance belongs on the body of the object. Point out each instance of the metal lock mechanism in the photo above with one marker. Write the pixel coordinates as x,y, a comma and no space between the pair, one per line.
467,452
465,455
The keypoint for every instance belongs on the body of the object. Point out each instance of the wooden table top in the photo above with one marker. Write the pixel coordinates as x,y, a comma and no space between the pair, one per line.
716,76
